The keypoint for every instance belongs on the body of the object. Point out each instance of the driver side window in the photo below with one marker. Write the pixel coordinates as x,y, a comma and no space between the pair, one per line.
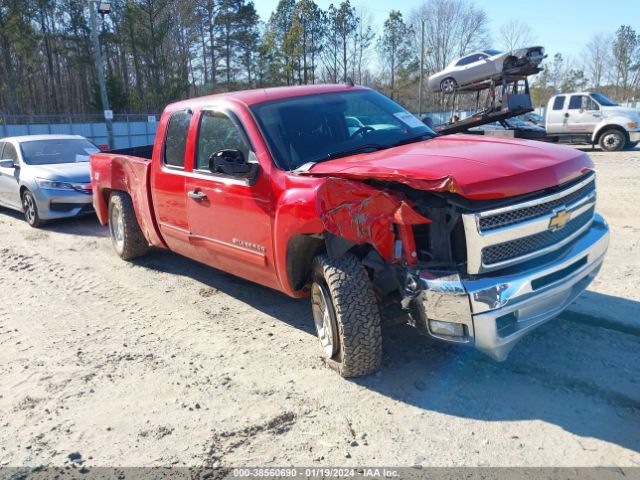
10,153
217,132
589,104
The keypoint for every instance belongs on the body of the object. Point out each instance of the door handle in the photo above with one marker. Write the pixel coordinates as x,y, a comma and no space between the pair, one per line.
196,195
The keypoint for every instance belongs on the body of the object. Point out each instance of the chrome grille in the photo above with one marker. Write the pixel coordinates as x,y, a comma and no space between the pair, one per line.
515,216
526,245
505,236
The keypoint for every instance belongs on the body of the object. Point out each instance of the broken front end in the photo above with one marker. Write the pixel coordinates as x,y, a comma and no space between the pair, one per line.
481,273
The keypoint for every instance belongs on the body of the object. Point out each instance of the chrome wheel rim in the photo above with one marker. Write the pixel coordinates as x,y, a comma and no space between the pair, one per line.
116,225
612,141
29,207
448,85
324,318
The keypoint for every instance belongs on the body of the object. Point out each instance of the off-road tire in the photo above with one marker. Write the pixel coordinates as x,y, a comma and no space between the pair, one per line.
605,144
133,243
30,209
359,349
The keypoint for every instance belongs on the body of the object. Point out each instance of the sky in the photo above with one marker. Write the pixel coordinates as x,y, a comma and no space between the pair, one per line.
563,26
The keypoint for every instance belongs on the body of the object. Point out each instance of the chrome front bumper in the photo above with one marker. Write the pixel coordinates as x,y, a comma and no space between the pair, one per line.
497,310
634,136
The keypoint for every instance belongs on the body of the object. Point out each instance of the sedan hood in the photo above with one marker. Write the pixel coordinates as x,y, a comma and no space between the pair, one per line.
469,165
63,172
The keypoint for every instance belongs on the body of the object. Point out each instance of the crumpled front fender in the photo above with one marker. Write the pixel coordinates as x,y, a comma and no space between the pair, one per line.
364,214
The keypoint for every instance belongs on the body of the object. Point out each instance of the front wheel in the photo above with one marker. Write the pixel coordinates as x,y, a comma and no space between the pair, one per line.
612,140
30,209
346,315
126,236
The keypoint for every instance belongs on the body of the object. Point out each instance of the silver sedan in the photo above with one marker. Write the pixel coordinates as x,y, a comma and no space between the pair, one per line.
46,176
475,70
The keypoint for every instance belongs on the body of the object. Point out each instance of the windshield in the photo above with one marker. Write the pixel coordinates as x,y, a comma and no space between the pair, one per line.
492,52
315,128
63,150
602,100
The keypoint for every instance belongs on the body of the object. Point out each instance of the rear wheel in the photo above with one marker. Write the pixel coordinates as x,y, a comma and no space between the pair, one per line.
126,236
448,85
346,315
30,209
612,140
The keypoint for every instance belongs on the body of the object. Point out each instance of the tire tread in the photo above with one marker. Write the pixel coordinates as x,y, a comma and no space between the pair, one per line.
358,316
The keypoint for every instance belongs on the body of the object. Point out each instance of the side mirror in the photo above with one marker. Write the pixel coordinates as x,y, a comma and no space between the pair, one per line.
230,162
7,164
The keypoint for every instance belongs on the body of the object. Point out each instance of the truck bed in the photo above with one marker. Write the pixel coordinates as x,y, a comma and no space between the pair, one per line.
127,170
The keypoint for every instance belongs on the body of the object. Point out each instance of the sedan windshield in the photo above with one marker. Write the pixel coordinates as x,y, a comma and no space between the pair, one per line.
62,150
602,100
316,128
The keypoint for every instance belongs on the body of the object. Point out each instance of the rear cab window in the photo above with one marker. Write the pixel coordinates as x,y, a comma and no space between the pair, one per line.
175,143
558,103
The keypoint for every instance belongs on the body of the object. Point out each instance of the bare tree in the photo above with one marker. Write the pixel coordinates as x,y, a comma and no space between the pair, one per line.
626,45
597,58
515,34
452,28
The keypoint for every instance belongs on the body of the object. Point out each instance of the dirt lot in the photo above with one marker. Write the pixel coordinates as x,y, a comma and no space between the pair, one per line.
168,362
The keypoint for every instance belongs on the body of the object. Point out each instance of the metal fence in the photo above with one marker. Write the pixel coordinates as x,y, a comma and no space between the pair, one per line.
129,130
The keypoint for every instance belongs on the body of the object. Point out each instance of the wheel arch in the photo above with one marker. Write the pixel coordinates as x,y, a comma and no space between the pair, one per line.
606,127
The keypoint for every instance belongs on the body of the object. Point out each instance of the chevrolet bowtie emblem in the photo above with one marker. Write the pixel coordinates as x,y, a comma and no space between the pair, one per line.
559,220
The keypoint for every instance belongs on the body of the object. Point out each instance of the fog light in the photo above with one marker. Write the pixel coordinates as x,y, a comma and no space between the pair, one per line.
446,328
505,322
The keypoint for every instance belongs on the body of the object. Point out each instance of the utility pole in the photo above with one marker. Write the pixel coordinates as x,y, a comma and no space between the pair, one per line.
421,69
108,115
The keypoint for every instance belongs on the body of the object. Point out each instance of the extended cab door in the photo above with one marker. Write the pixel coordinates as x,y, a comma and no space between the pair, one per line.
229,214
583,114
168,182
556,120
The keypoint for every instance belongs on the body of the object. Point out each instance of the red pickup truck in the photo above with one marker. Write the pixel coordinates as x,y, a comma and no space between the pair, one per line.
338,193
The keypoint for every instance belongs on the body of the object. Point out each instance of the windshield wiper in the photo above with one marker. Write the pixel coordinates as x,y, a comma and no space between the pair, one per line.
414,139
373,147
351,151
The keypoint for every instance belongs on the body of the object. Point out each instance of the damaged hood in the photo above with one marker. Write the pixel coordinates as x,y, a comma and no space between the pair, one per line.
472,166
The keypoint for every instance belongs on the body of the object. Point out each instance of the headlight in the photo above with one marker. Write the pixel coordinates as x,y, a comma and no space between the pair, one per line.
53,185
632,125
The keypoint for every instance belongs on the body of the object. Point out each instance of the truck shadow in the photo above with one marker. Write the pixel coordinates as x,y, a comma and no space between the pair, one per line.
294,312
581,377
86,226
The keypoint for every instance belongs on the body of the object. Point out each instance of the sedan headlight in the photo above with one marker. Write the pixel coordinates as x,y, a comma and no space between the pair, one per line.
53,185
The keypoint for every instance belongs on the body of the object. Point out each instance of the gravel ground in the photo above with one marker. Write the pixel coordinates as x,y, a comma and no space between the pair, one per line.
168,362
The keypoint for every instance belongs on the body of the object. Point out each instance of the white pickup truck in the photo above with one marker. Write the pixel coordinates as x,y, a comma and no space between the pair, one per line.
588,117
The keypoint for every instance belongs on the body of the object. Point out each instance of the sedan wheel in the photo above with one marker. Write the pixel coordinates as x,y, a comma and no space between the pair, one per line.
30,209
448,85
